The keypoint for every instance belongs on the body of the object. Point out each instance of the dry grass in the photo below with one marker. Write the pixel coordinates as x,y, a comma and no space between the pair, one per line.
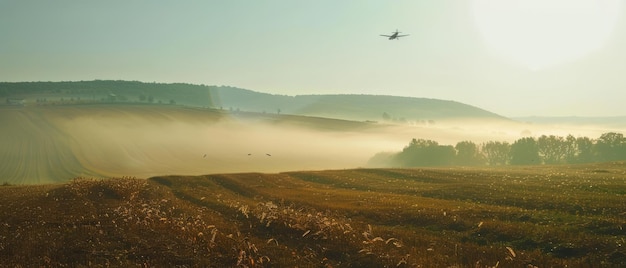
459,217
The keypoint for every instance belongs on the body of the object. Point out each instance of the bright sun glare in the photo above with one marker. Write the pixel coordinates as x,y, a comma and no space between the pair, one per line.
540,34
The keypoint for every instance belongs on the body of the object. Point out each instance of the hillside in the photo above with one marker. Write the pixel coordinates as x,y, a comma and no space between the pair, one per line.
349,107
542,216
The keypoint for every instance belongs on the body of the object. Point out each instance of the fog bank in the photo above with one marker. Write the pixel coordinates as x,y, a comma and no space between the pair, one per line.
56,144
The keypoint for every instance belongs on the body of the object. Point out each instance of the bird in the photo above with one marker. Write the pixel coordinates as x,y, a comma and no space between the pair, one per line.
204,156
268,154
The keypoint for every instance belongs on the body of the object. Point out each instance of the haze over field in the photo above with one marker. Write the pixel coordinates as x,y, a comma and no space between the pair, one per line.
43,144
56,144
48,144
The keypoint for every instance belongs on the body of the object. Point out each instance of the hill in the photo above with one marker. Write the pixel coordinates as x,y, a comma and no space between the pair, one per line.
349,107
540,216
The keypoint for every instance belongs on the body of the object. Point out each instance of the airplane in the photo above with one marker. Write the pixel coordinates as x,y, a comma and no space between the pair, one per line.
394,35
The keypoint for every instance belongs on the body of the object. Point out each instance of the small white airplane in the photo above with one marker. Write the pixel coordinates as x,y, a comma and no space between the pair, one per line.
394,35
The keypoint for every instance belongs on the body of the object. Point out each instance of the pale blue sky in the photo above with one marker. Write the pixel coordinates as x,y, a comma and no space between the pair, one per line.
306,47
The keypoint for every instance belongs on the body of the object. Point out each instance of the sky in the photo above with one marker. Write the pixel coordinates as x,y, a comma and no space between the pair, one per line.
511,57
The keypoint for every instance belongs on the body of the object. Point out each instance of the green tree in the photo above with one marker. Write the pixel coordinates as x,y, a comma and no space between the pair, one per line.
584,150
467,154
525,151
611,146
579,150
496,153
422,152
552,149
571,149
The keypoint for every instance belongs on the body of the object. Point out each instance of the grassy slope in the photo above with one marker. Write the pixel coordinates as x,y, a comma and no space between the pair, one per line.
34,147
50,144
461,217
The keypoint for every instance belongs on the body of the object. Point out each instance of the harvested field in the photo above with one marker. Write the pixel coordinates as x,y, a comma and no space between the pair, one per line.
545,216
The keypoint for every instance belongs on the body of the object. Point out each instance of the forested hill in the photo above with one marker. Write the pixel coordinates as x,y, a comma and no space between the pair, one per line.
352,107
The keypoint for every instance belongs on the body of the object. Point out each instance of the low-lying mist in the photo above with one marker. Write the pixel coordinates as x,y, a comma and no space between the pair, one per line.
55,144
142,148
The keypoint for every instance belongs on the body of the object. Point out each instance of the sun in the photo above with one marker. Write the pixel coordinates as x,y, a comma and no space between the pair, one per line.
541,34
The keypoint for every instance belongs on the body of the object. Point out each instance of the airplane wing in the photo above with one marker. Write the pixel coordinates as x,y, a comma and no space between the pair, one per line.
385,35
402,35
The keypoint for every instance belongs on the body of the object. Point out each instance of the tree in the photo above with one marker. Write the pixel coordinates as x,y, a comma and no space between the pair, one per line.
496,153
525,151
467,154
571,149
611,146
422,152
584,150
552,149
579,150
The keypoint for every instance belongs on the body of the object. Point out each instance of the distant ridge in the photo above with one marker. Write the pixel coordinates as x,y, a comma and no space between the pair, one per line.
398,108
340,106
611,121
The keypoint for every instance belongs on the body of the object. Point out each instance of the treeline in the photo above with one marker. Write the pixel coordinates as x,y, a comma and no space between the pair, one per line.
551,150
8,89
110,91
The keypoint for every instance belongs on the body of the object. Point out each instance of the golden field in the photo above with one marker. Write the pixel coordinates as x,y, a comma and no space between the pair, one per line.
536,216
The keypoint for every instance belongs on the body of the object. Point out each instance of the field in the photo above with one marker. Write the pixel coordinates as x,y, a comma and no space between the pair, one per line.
543,216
